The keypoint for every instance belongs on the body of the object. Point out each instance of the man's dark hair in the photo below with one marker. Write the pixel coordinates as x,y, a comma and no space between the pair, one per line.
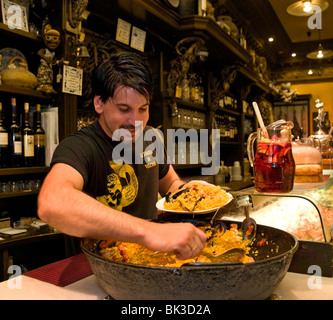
122,69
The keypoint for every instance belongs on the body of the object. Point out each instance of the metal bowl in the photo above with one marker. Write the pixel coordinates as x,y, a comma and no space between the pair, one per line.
199,281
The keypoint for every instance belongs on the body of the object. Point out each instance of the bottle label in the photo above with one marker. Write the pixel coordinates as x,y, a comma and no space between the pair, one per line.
29,146
3,139
178,93
40,140
18,147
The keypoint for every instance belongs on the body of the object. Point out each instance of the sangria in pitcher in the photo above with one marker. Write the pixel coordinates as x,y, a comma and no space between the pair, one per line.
273,163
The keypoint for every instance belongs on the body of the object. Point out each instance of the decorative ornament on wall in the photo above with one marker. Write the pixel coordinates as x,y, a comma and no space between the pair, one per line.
287,95
76,13
189,50
174,4
223,83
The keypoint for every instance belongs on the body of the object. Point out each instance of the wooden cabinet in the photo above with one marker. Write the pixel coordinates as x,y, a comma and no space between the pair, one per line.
19,187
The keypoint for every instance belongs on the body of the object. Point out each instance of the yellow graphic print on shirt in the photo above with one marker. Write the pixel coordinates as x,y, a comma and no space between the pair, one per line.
122,185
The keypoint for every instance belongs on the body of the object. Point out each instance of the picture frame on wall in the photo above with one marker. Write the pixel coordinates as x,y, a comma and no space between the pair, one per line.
298,112
14,15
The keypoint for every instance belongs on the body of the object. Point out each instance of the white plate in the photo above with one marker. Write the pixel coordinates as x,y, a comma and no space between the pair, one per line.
160,206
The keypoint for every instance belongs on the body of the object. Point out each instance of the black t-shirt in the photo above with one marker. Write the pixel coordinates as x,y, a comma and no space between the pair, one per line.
128,186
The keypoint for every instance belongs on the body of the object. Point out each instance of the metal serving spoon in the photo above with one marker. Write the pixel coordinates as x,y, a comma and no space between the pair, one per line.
248,227
249,230
231,255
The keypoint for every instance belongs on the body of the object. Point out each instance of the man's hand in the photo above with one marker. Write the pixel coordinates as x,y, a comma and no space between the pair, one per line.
186,240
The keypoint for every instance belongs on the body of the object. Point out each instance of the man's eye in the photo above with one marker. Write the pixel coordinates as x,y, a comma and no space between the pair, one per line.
124,109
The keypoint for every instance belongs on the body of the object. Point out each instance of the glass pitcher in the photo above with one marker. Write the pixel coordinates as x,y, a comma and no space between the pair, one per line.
273,163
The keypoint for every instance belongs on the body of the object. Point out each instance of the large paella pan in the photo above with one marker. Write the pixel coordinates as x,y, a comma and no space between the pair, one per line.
272,251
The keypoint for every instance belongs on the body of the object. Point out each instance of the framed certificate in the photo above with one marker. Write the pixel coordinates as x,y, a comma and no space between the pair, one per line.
14,15
138,39
123,31
72,80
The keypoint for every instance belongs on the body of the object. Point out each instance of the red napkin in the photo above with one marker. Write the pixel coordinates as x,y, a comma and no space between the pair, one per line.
63,272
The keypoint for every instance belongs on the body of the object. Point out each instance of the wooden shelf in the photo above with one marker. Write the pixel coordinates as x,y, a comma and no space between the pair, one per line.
230,143
23,170
218,39
6,195
19,34
260,84
219,42
249,116
24,92
229,111
188,166
196,106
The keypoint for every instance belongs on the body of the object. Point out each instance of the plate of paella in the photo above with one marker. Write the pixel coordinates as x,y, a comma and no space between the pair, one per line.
195,199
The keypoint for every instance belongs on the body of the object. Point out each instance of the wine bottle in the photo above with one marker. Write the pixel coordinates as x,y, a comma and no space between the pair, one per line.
15,138
28,139
4,155
39,140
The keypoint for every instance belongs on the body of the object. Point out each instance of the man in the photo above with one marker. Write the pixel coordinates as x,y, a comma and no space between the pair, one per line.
88,193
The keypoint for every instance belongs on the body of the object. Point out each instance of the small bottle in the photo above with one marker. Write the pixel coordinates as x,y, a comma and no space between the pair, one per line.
4,156
28,139
39,139
223,129
219,177
196,93
15,141
227,129
178,91
185,90
235,130
242,39
201,92
231,129
236,172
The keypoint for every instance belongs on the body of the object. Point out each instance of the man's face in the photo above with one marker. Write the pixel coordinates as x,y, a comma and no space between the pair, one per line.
122,111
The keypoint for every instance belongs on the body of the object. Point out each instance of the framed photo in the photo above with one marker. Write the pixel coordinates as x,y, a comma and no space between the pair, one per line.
15,16
298,112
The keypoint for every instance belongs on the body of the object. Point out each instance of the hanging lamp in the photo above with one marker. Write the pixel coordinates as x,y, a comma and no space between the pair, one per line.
304,7
320,53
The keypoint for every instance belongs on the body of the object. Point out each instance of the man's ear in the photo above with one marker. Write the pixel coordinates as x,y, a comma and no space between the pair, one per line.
98,104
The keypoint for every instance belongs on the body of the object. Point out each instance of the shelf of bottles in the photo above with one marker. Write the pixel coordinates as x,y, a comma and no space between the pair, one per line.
186,118
228,127
189,119
190,89
189,112
22,145
229,103
227,119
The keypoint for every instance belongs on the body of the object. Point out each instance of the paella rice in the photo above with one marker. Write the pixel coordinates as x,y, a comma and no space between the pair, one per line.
219,240
196,197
